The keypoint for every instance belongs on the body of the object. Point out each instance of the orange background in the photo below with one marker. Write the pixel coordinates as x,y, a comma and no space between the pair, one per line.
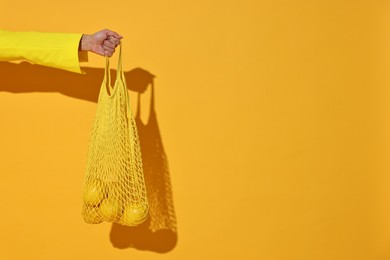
273,115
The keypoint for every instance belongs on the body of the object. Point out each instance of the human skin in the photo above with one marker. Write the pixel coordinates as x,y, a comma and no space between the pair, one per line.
102,42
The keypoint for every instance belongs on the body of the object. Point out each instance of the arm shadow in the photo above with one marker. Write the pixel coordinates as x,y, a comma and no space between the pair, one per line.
159,232
28,78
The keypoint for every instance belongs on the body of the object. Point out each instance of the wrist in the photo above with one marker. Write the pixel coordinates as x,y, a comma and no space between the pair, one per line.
85,43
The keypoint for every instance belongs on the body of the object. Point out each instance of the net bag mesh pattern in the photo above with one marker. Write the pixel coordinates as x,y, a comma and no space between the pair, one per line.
114,188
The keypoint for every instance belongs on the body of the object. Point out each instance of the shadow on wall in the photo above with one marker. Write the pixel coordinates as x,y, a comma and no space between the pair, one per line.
159,232
26,77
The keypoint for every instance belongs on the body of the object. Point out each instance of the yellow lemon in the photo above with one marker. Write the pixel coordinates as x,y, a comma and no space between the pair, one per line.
93,193
111,209
91,215
134,214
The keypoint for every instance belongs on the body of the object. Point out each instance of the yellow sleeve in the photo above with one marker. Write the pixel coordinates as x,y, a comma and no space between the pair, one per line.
58,50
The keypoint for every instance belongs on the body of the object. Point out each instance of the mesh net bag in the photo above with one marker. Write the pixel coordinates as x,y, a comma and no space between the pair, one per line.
114,188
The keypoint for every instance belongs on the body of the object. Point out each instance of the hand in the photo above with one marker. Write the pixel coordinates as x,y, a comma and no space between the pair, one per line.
102,42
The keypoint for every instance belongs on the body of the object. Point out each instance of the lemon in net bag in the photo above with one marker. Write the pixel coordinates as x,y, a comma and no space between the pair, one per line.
114,188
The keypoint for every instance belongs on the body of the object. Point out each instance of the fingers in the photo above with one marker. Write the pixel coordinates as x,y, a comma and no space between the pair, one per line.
108,51
114,41
109,46
110,33
105,41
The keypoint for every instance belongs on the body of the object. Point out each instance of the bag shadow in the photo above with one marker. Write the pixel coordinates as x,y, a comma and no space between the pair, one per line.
159,232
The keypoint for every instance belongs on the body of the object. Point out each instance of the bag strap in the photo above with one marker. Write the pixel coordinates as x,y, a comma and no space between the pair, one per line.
111,90
121,76
119,70
107,75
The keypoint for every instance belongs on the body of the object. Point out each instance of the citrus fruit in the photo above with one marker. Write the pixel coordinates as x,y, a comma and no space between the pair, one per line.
134,214
91,215
111,209
93,193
